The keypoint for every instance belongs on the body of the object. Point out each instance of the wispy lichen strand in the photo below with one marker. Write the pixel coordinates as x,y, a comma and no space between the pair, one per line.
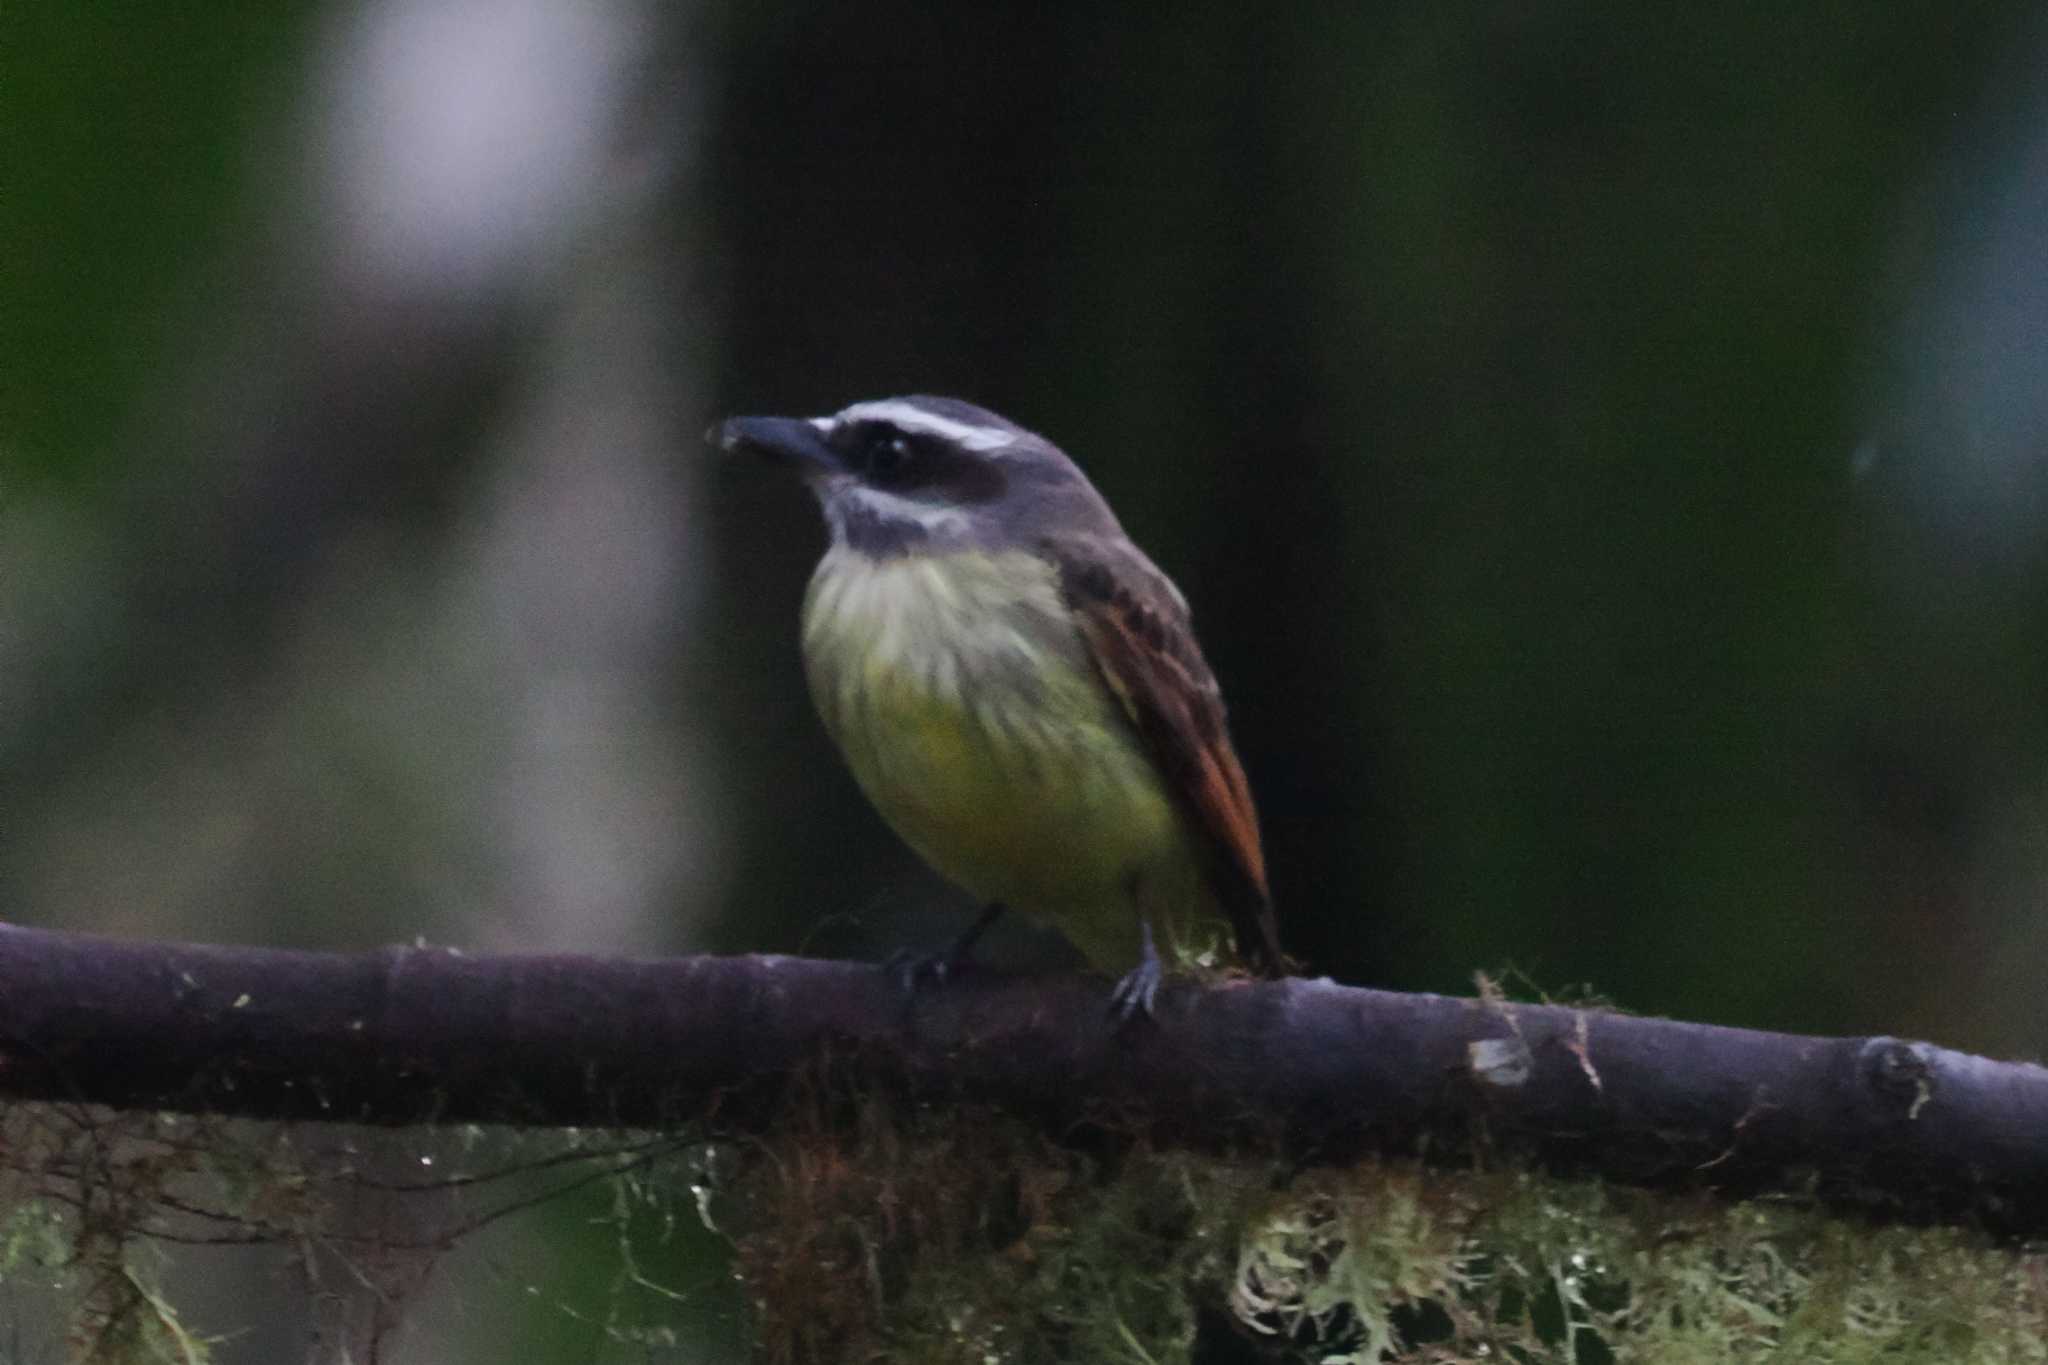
981,1244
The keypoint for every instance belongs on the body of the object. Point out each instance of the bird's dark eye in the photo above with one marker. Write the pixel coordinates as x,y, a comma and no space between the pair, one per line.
890,457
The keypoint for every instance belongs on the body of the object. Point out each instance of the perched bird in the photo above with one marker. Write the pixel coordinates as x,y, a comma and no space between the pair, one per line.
1017,688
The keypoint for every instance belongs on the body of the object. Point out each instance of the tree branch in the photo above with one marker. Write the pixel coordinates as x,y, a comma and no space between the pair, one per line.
406,1035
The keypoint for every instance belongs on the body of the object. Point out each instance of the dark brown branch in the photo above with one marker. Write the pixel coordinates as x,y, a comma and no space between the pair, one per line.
408,1035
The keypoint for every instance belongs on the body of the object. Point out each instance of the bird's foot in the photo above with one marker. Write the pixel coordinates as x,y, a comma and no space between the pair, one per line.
912,968
1135,992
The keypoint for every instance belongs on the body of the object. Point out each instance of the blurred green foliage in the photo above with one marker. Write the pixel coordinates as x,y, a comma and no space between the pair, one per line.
127,134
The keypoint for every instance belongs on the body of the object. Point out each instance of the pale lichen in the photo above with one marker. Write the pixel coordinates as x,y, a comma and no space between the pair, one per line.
870,1229
965,1238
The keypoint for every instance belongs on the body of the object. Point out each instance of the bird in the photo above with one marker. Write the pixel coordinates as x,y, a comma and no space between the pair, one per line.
1018,690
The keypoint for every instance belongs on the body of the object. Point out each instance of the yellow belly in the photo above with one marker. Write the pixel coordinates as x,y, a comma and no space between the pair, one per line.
970,713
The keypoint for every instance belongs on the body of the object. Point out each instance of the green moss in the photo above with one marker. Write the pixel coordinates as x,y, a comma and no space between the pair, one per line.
942,1237
868,1231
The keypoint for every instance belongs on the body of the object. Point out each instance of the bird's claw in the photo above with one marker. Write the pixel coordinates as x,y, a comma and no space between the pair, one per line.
1139,987
910,968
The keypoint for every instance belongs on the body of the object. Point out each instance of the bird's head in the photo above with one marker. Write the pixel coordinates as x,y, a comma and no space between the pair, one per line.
903,475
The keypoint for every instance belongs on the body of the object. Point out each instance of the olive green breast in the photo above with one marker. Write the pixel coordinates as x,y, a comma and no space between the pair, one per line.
967,706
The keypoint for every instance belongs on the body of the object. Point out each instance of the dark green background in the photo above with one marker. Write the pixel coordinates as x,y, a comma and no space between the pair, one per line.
1492,380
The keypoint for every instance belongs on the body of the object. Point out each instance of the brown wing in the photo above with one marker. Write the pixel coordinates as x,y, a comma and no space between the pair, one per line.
1138,631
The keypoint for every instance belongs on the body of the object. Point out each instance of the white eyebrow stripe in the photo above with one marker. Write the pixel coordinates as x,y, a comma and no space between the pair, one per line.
913,418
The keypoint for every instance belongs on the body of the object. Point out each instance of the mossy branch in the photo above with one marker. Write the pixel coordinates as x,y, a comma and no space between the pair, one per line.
1326,1073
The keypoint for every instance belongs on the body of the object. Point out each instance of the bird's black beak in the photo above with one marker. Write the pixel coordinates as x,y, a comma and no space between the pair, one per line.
789,440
